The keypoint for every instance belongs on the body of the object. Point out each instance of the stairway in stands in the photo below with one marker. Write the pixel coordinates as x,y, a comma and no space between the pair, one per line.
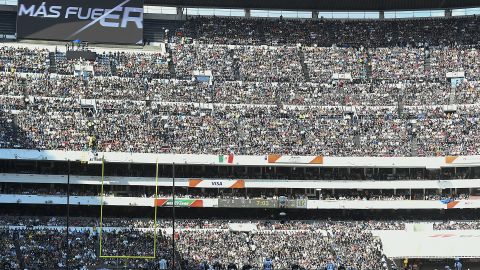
306,75
99,264
171,65
18,251
235,66
180,260
357,141
452,95
357,135
53,62
368,65
400,103
426,60
414,147
212,92
113,68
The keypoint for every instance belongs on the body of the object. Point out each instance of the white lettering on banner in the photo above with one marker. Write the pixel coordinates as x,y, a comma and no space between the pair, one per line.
86,16
41,11
118,17
127,18
199,183
22,10
71,11
294,159
111,16
55,11
97,13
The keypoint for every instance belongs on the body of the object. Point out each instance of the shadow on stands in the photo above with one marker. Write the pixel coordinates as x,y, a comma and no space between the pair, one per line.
12,136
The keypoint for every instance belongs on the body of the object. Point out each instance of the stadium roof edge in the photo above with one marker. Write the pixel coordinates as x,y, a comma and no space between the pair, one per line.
330,5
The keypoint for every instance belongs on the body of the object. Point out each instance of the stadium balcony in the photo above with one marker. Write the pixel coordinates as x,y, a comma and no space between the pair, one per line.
239,181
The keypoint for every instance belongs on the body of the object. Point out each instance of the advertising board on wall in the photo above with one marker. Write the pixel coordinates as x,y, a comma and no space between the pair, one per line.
106,21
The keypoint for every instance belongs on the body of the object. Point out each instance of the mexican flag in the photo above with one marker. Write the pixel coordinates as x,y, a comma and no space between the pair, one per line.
226,158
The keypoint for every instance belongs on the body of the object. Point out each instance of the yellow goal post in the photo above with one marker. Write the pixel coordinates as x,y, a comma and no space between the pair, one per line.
154,224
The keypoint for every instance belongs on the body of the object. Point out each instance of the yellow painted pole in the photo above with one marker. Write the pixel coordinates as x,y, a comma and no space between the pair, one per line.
155,220
101,206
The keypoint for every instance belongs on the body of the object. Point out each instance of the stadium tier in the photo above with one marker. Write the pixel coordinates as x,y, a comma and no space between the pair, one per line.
238,143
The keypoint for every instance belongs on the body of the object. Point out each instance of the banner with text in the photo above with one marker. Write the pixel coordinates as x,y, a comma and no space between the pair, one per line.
179,202
199,183
295,159
107,21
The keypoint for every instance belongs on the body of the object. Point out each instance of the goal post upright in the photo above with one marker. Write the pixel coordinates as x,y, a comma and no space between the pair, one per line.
101,206
155,227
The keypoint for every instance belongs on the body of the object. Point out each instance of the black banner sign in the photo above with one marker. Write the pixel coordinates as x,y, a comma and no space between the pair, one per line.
106,21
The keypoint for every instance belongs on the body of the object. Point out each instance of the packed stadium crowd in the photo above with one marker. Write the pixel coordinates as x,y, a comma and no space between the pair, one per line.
41,242
308,244
249,130
370,195
138,109
325,33
457,225
120,64
375,93
8,254
244,87
306,249
189,58
200,224
20,59
206,241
